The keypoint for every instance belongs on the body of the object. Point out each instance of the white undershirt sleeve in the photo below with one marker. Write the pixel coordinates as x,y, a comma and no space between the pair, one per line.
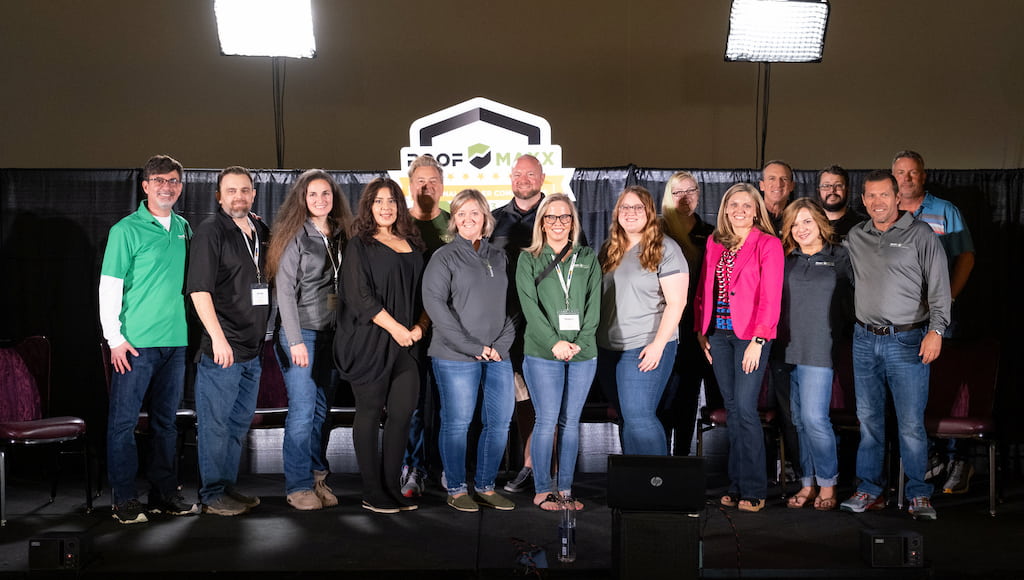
111,298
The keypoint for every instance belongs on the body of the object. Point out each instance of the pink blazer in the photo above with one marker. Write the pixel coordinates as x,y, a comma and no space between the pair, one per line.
756,294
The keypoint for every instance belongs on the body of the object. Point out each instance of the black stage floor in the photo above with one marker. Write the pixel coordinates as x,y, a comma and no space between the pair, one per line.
276,541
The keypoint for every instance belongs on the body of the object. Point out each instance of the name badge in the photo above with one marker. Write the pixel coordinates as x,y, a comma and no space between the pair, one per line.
260,294
568,320
332,302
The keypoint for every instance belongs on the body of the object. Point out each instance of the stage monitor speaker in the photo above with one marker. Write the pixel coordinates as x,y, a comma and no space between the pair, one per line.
57,551
897,549
649,545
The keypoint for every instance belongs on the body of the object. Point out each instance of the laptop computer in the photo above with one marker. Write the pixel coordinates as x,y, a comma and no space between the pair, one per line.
656,483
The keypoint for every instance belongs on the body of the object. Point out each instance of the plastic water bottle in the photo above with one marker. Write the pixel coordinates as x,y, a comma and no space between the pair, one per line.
567,531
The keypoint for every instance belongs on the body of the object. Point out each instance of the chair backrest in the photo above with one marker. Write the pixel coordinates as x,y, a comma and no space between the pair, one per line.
25,380
963,379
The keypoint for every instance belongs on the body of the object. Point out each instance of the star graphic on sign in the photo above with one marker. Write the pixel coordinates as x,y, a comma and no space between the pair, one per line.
465,176
450,176
496,176
480,176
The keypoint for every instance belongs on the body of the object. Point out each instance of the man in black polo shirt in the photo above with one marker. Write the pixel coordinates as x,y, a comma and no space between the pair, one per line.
232,298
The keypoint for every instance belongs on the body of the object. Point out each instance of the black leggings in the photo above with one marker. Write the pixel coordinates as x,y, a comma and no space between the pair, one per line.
381,466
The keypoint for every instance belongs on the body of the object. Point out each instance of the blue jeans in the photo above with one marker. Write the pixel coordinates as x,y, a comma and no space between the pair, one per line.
810,399
161,371
225,403
740,391
637,394
891,359
558,390
308,389
459,383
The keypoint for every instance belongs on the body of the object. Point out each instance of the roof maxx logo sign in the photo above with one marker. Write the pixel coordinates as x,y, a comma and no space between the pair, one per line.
476,142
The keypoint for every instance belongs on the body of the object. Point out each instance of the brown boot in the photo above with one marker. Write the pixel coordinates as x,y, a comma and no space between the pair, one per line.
304,500
323,491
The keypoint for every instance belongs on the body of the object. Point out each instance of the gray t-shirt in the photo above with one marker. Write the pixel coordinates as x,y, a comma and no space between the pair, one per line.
632,301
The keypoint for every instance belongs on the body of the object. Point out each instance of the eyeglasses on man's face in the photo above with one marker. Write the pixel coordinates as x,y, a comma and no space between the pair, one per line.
160,181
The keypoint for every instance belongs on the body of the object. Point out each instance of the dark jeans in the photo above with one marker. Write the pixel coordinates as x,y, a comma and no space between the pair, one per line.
225,404
161,371
740,391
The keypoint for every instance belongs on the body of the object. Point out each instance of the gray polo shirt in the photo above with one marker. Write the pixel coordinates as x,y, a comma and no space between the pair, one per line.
901,275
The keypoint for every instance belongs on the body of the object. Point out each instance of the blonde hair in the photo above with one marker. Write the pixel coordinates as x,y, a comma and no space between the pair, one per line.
651,242
669,211
825,230
724,234
539,238
462,198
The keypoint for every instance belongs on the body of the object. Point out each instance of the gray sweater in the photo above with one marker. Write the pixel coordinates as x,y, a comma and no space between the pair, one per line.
465,293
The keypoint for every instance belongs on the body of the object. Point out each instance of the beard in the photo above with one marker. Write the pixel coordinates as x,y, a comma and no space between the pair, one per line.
836,205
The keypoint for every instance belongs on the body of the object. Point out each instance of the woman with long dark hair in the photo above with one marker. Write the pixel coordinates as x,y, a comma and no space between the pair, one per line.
303,262
736,313
380,319
642,301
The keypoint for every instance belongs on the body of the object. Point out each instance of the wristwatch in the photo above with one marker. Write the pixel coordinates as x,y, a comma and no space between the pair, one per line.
760,340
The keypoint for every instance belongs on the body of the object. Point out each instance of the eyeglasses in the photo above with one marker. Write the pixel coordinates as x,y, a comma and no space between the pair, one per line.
691,191
159,181
565,219
831,187
639,208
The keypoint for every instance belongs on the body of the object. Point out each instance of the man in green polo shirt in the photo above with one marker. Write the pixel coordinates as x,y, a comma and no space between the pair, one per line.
142,312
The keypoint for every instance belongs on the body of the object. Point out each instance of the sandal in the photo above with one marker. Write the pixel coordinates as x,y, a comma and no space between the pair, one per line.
728,501
825,504
751,505
549,500
578,504
801,500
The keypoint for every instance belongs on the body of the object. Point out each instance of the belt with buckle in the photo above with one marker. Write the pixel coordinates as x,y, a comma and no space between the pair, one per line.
891,329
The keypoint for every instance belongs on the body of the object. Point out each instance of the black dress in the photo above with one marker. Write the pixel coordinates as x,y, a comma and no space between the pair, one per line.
383,374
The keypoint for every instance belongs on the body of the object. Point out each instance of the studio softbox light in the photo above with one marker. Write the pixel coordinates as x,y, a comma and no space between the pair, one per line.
777,30
266,28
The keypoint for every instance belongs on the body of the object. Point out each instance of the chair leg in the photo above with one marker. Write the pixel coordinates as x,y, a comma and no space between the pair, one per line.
3,487
700,440
900,486
88,475
992,478
782,464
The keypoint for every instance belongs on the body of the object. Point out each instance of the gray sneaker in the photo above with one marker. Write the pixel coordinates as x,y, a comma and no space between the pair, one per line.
921,508
225,505
249,501
859,503
522,482
412,482
959,480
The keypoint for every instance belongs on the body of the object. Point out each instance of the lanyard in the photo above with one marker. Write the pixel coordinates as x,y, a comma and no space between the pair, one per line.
567,281
335,263
254,251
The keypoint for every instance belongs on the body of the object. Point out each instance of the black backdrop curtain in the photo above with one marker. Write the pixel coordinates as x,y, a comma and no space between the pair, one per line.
54,224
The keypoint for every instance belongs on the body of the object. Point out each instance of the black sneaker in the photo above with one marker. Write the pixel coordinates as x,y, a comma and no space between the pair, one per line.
522,481
130,512
936,467
174,506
